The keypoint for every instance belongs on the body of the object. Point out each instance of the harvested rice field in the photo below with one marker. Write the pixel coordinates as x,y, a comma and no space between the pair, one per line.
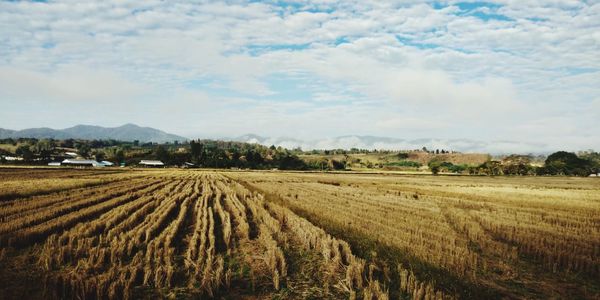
206,234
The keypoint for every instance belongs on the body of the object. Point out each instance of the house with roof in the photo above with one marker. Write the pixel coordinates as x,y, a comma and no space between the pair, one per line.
152,163
81,163
187,165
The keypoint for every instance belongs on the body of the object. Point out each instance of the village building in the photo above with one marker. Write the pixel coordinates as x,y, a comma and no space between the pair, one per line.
81,163
187,165
152,163
12,158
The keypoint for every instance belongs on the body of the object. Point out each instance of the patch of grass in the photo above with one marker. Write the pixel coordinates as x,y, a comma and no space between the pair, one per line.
404,163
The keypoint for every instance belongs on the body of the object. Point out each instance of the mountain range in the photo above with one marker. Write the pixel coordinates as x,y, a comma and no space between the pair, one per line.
127,132
131,132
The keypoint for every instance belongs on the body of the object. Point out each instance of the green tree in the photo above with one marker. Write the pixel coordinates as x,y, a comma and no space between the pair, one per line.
402,155
43,148
593,158
491,167
83,149
197,150
99,155
25,152
120,156
435,166
517,165
333,164
567,163
161,154
68,143
291,162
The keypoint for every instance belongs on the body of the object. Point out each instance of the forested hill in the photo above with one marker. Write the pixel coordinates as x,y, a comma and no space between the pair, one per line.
127,132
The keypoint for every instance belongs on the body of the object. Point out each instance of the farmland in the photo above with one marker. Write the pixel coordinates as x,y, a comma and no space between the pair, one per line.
224,234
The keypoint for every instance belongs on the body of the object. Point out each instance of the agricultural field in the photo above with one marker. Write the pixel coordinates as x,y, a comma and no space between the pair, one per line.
466,236
170,233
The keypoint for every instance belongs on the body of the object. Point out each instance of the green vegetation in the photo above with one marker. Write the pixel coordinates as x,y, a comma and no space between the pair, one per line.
405,163
567,163
221,154
202,153
436,166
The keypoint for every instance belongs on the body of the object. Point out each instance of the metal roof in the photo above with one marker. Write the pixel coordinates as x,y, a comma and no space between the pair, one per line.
152,162
82,162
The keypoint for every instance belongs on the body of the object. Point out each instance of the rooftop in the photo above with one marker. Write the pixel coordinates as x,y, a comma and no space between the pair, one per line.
152,162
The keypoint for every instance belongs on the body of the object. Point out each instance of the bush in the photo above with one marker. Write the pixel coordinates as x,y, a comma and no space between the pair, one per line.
435,166
405,163
291,162
402,155
566,163
448,166
491,167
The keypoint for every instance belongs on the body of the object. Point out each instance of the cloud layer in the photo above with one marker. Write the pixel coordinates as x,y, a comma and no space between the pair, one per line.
522,71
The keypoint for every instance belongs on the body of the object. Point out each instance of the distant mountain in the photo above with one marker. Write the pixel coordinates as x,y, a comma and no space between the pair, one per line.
39,133
127,132
388,143
6,132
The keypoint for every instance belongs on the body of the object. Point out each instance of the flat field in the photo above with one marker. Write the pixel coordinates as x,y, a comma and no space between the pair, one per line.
68,233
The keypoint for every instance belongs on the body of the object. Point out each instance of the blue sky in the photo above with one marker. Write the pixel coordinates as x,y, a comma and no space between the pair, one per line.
519,71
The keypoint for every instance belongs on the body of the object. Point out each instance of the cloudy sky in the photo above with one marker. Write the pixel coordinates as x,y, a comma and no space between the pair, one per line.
514,70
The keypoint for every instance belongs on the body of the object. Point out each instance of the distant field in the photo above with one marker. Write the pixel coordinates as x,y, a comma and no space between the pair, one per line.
275,235
8,147
362,160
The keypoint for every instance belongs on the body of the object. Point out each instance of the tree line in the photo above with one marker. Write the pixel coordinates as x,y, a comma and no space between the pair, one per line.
224,154
557,163
201,153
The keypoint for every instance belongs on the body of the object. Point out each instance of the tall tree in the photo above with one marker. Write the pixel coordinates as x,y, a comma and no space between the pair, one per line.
25,152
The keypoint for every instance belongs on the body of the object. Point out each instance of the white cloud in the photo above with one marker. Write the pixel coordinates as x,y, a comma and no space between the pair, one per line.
66,85
394,68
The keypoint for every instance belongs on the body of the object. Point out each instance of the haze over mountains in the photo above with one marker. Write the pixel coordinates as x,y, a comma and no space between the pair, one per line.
388,143
127,132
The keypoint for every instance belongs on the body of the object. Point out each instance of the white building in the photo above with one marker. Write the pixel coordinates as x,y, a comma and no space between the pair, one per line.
152,163
12,158
81,163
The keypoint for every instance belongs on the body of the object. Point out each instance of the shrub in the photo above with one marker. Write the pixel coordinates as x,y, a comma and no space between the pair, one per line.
566,163
405,163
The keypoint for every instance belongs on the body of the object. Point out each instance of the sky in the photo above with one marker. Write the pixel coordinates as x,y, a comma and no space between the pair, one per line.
516,71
